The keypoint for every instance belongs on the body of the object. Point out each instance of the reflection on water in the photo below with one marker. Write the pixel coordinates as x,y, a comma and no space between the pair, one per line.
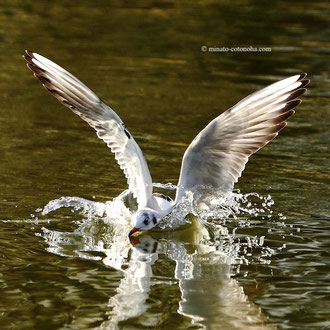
145,60
200,265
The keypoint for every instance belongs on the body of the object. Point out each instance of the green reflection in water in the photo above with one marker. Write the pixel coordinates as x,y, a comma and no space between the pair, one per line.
145,60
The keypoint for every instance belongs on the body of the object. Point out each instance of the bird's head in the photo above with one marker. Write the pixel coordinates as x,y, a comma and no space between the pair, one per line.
144,220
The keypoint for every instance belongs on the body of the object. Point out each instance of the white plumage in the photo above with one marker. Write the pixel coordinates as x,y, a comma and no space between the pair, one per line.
216,157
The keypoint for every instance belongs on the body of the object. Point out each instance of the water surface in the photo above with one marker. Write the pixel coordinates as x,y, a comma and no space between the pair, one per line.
263,262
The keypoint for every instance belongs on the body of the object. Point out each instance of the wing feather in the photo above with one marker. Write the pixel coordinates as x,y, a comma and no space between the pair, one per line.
109,127
218,154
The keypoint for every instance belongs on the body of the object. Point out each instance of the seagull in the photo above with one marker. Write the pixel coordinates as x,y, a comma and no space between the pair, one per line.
216,157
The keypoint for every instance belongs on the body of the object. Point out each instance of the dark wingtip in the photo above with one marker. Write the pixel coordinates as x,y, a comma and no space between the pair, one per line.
304,83
30,65
29,52
44,80
292,104
278,127
28,56
285,116
296,94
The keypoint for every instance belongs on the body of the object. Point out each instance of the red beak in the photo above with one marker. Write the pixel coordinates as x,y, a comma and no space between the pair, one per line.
134,240
134,230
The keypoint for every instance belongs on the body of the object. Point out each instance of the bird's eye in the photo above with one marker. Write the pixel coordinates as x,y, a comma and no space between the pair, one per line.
154,220
146,222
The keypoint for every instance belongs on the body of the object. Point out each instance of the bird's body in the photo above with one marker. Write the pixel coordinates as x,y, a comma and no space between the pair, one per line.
216,157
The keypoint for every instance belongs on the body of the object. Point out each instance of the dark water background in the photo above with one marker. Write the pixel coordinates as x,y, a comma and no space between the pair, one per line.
67,270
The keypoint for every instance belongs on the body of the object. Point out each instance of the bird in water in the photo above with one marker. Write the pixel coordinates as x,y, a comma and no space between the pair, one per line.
215,158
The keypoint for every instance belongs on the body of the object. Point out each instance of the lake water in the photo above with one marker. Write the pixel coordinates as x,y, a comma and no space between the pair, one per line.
258,261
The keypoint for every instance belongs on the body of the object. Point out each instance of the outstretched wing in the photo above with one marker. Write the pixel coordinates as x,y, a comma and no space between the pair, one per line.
109,127
218,154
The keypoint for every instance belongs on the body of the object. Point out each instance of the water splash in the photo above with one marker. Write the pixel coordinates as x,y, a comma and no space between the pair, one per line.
216,238
111,211
76,203
230,220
